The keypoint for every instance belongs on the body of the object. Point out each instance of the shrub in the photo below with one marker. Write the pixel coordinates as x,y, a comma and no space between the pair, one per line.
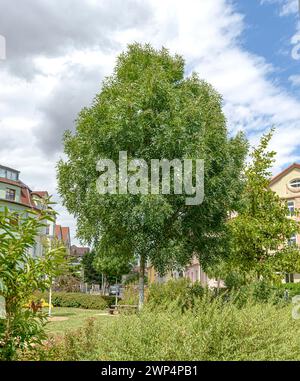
181,291
131,295
66,283
212,330
234,280
78,300
258,292
292,288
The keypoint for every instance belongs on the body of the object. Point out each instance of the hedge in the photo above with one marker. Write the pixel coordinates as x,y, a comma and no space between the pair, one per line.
77,300
292,288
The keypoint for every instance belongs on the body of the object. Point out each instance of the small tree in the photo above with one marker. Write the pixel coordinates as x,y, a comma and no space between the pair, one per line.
112,266
262,229
91,275
20,276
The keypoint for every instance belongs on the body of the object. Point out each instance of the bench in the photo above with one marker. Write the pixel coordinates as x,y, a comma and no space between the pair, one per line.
115,308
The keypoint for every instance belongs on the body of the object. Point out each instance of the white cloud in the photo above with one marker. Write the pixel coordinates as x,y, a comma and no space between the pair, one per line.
289,7
286,7
34,111
295,80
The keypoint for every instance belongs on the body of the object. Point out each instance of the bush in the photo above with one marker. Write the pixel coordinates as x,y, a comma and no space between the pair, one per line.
20,276
78,300
292,288
67,283
234,280
181,291
258,292
212,330
131,295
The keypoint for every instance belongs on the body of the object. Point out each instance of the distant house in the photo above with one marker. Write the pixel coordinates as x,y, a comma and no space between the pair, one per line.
195,273
78,253
62,234
18,197
192,271
287,185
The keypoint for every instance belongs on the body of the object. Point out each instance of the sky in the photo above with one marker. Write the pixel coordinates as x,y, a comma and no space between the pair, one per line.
59,51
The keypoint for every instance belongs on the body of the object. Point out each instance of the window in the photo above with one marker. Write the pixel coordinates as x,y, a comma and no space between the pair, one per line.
12,175
289,278
295,183
291,207
293,240
48,229
9,174
10,194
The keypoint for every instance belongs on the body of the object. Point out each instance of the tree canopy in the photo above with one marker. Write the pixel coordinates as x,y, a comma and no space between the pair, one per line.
149,108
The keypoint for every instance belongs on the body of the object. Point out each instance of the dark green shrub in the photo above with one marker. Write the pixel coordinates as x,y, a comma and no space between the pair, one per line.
258,292
234,280
78,300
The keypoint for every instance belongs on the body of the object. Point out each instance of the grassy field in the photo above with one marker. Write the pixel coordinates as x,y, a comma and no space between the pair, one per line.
68,319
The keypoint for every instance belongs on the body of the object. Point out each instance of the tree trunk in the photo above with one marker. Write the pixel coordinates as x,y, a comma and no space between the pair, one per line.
141,282
102,284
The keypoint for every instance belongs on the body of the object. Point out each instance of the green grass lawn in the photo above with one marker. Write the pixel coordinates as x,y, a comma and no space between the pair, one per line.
75,318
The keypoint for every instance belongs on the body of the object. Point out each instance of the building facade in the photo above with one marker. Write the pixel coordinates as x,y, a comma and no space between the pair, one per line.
62,234
287,185
193,271
19,198
77,253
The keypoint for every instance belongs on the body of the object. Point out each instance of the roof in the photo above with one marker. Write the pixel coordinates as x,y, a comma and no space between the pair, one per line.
62,233
26,193
58,232
284,172
17,183
79,251
26,198
41,194
65,234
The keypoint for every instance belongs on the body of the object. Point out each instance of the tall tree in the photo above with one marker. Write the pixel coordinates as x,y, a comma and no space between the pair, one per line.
262,229
149,109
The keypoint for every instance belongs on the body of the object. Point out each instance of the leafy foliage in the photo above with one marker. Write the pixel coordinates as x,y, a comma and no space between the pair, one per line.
211,331
180,291
21,275
112,266
261,230
78,300
149,109
91,275
66,282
